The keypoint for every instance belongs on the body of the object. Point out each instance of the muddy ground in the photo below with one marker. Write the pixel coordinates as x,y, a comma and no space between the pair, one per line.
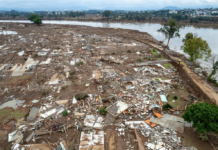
33,84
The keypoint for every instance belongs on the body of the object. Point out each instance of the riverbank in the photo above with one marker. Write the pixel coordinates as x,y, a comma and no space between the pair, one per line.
201,24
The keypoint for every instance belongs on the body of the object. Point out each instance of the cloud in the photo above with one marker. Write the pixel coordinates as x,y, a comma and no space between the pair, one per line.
118,4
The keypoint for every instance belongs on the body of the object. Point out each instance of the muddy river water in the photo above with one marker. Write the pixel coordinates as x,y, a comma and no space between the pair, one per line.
207,33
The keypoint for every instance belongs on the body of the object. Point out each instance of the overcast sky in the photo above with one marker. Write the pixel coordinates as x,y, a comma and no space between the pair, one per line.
104,4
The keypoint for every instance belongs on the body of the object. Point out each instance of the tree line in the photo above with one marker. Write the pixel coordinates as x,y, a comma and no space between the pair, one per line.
160,15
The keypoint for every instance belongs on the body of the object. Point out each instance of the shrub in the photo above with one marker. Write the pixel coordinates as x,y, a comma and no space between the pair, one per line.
65,113
167,106
72,73
139,59
175,86
129,51
25,58
106,82
149,57
79,63
217,84
175,97
81,96
212,80
153,51
167,66
102,110
58,47
45,93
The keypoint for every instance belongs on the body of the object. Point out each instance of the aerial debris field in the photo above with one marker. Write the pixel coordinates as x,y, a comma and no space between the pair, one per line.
77,87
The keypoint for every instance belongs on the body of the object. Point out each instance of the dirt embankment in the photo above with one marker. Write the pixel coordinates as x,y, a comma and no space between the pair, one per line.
200,86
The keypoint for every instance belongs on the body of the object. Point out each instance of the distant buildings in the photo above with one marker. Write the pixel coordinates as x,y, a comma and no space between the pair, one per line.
173,11
214,12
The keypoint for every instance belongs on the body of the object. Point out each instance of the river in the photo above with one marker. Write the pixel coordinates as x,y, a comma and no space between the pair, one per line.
209,34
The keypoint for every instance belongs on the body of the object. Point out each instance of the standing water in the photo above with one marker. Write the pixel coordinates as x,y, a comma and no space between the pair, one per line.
13,103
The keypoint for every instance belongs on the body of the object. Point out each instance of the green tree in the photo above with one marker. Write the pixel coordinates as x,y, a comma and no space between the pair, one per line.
196,48
214,62
170,30
204,117
32,17
37,20
106,13
187,37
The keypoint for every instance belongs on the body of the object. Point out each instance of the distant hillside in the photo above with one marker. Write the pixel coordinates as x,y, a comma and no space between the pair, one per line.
171,8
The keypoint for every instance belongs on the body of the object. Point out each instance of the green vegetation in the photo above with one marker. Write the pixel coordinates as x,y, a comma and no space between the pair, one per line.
65,113
139,59
214,62
106,13
170,30
17,114
167,106
106,82
159,15
187,37
32,17
45,92
203,116
35,19
157,79
160,57
176,86
167,66
4,113
196,48
164,78
153,51
25,59
72,73
102,110
81,96
129,51
23,77
175,97
79,63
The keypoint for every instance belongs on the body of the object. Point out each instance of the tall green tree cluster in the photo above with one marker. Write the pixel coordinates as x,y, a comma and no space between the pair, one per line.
204,117
196,47
106,13
35,19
